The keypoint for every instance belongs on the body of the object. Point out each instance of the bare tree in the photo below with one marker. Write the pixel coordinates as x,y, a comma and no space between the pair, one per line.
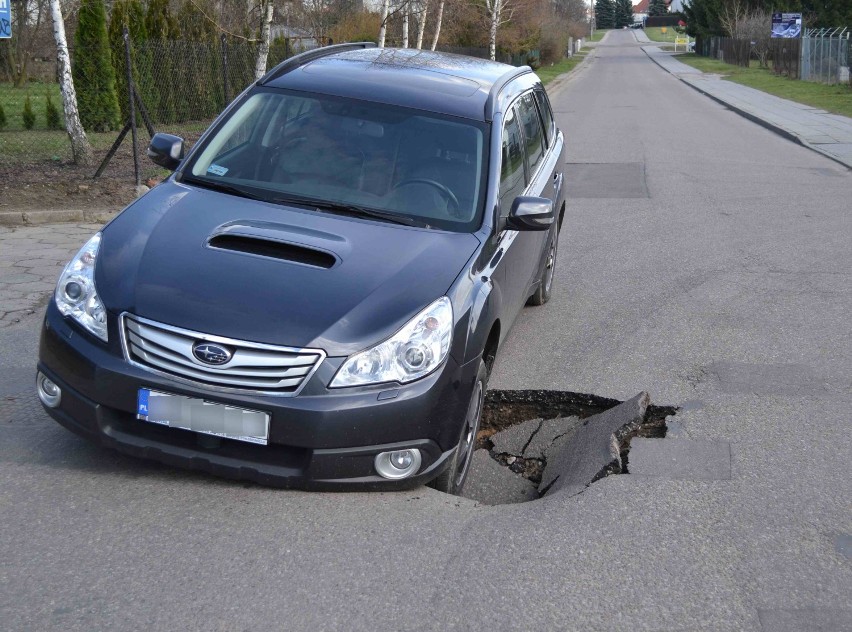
406,11
756,27
263,49
80,147
439,20
383,29
731,16
421,24
498,12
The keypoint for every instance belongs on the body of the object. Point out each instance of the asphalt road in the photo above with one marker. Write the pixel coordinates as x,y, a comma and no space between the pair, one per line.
704,260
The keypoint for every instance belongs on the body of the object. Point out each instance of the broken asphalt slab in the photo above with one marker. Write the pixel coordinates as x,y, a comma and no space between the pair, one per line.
490,483
593,450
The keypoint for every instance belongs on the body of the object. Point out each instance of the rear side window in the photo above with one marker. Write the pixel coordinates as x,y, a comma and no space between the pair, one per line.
546,116
534,141
512,182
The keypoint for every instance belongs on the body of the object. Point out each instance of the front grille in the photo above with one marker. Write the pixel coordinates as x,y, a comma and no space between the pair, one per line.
253,367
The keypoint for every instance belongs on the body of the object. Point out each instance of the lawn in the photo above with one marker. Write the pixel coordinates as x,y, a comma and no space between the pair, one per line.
598,35
549,73
836,98
12,99
655,34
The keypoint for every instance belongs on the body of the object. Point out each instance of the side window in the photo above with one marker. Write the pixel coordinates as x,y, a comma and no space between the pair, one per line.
532,131
546,116
512,179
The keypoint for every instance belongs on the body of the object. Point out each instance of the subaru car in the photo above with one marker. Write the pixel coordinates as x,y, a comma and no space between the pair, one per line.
315,296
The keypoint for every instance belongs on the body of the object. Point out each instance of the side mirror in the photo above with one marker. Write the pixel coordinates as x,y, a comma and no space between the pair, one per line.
166,150
530,213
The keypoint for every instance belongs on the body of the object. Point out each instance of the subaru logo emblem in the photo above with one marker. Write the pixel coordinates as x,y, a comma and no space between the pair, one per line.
211,353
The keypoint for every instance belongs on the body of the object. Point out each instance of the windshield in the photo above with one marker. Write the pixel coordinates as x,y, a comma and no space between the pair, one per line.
416,164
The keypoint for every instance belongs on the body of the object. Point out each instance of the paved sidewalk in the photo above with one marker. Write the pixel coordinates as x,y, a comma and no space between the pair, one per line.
31,258
828,134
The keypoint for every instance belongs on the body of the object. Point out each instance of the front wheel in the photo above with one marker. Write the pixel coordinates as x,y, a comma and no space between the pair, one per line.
545,285
452,479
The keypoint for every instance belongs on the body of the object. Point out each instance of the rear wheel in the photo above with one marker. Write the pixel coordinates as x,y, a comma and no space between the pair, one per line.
545,285
452,479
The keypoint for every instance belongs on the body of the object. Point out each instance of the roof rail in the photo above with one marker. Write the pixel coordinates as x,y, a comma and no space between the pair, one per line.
308,56
498,85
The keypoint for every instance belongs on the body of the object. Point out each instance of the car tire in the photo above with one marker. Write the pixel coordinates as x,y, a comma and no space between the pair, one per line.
545,284
452,479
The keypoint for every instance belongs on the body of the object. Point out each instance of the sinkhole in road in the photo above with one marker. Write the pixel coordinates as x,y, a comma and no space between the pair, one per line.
528,438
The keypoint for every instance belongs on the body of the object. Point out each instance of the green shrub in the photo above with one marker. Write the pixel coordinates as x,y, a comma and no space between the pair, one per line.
28,115
51,115
2,117
91,66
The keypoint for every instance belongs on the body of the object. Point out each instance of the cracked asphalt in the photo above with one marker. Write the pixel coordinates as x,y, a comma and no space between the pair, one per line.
716,275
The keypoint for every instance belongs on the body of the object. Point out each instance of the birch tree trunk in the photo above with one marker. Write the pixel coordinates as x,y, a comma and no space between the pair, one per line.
421,25
384,27
494,7
438,25
405,11
81,150
263,49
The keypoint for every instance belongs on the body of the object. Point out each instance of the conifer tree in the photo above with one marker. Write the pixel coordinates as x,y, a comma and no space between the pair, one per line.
51,115
162,29
93,71
623,13
605,14
28,116
657,7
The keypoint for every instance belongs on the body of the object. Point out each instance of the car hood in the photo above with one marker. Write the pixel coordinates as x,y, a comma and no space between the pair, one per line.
279,275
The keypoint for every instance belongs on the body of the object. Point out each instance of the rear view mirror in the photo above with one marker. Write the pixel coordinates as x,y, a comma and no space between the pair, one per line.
530,213
166,150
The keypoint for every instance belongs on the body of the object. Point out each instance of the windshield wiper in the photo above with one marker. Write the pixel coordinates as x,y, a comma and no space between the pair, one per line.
223,187
349,209
324,205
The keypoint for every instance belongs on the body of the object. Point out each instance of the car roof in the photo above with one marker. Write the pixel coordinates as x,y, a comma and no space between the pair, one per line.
438,82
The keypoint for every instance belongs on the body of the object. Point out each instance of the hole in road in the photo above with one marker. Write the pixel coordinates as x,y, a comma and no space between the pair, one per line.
522,429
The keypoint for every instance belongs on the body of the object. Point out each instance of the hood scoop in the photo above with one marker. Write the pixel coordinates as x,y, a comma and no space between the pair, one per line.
273,249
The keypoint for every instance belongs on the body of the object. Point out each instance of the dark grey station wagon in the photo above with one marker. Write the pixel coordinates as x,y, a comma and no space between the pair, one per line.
315,297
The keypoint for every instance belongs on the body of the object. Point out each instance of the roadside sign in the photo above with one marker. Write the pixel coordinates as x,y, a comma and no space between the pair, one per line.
787,25
5,19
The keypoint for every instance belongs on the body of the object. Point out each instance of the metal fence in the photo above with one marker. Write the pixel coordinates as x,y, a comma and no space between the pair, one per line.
821,55
826,56
182,86
786,55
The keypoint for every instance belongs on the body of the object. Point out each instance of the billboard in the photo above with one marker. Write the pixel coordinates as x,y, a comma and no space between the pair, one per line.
786,25
5,19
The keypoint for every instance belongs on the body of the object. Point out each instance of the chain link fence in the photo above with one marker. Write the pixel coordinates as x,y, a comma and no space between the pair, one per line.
825,56
182,86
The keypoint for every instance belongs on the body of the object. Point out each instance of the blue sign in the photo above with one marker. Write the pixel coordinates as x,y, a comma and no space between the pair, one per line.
5,19
783,24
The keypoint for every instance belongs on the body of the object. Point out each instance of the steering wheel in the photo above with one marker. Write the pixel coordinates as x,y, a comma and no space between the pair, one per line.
453,208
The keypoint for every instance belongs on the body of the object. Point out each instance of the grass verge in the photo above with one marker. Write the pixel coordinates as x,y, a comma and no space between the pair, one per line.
549,73
598,35
655,34
836,98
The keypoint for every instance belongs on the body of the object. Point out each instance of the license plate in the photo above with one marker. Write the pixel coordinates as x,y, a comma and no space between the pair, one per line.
198,415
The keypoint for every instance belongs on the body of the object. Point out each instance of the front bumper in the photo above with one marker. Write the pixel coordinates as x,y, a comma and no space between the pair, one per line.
320,439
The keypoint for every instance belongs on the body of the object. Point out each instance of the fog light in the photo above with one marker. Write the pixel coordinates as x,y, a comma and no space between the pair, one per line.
48,392
398,464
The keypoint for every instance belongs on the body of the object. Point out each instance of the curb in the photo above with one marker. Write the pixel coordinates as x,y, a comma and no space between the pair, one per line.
754,118
564,79
33,218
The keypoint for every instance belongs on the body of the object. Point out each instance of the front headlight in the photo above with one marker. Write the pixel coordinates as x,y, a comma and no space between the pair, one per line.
75,293
413,352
